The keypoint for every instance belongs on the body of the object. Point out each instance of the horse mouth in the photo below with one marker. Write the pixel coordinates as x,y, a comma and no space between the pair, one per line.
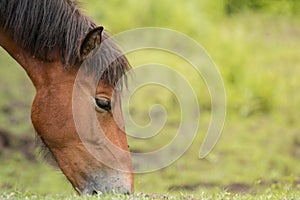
100,191
91,191
113,184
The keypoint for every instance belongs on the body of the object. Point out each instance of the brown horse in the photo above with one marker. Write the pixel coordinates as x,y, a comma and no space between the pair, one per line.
50,39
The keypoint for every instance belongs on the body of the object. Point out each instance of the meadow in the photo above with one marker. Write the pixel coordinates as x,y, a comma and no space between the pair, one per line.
256,48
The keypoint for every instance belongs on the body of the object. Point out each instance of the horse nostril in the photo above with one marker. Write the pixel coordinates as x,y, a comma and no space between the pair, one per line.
94,192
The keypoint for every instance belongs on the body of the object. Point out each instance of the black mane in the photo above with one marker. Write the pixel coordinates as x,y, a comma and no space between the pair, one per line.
39,26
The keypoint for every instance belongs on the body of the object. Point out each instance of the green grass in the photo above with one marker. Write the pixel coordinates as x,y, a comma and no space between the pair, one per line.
258,154
16,97
274,192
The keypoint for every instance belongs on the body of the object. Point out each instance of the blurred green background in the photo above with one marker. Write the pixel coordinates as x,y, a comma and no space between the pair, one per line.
256,46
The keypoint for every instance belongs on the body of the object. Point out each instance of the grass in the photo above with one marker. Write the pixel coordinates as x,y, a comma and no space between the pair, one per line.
258,154
274,192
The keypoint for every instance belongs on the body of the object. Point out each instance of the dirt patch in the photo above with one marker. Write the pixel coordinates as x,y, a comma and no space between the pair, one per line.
4,140
192,187
232,187
237,187
10,143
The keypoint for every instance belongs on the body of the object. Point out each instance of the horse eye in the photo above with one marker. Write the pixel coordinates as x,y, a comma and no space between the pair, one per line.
103,104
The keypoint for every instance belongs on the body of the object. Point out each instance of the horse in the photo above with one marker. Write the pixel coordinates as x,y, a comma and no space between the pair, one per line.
50,39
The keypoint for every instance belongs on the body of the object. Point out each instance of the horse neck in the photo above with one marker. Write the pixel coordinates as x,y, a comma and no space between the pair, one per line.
41,73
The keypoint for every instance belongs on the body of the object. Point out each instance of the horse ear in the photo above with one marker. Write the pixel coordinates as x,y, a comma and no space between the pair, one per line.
91,40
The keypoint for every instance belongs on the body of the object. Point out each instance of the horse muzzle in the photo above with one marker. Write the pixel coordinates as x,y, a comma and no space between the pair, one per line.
104,182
